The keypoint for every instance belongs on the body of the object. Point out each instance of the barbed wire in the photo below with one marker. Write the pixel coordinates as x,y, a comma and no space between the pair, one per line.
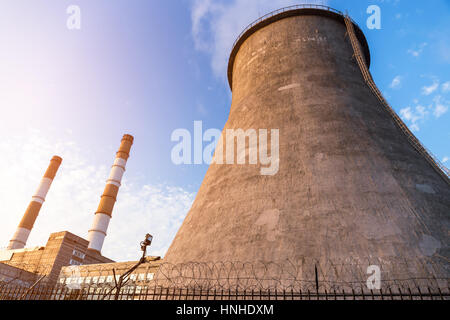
303,278
303,274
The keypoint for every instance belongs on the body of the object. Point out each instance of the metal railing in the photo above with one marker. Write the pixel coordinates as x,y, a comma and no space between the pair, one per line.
161,293
433,160
278,11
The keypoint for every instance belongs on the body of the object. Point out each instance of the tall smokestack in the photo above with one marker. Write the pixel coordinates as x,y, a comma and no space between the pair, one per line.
97,233
19,239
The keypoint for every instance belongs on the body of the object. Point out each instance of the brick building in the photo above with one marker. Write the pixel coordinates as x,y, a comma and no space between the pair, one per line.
62,249
103,274
16,276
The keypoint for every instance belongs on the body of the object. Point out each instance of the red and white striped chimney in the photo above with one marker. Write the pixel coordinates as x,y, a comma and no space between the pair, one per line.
19,239
103,215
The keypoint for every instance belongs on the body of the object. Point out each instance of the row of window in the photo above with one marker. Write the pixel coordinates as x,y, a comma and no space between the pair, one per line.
105,279
74,263
78,254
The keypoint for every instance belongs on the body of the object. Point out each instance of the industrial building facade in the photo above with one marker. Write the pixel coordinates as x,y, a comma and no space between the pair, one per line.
17,276
102,275
62,249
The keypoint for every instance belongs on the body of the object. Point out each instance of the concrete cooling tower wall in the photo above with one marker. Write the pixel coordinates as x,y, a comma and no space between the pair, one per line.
349,184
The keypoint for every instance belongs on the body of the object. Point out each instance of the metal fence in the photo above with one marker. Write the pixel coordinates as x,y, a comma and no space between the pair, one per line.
158,293
297,275
303,275
305,278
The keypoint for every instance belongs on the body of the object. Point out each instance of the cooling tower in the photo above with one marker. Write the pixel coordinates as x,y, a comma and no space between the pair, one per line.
350,182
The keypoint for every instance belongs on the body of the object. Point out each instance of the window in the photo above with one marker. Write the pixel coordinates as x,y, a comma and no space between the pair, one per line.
88,280
74,262
78,254
101,279
94,279
141,276
150,276
109,278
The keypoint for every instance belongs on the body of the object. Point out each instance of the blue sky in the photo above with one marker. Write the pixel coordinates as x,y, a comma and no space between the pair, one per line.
149,67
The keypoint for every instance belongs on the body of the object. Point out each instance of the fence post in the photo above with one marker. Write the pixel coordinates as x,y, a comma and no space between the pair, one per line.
317,279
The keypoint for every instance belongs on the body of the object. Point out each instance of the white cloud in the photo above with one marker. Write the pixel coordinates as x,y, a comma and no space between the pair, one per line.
74,196
441,106
445,159
418,114
416,52
216,25
414,116
396,82
446,86
427,90
202,110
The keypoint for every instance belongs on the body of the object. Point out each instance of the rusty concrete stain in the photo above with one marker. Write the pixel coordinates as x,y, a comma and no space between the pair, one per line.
269,220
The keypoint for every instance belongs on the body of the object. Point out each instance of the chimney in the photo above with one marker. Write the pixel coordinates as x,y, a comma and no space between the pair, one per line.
104,212
19,239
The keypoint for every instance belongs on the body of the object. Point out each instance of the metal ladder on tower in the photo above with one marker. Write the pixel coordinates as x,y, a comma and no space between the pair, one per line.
435,163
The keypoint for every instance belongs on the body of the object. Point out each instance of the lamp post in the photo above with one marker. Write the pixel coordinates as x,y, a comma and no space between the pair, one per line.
125,277
144,244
